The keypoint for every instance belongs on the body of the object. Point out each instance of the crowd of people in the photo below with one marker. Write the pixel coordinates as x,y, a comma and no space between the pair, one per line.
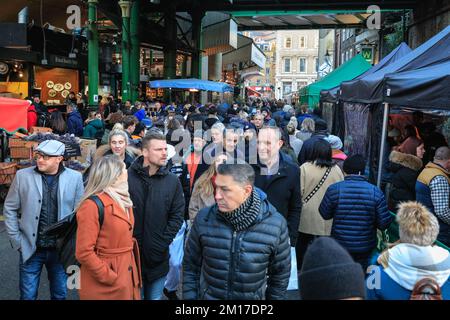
221,196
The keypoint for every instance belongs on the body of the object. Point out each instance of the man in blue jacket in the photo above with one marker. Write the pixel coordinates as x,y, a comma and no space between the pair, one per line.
74,121
358,209
238,249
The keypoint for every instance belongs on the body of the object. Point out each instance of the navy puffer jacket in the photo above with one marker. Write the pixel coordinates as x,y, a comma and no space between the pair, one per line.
358,209
220,263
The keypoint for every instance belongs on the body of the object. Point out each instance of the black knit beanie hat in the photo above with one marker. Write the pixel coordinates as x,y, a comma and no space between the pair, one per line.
354,164
329,273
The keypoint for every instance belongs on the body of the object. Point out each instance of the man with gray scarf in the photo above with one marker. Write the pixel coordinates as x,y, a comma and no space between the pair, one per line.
237,249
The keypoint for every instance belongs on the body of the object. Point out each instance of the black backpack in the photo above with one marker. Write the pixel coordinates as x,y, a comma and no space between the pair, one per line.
65,231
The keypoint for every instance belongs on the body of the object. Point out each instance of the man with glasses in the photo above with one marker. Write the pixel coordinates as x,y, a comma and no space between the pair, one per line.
41,195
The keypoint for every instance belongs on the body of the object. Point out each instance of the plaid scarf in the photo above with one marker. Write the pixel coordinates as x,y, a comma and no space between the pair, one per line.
244,216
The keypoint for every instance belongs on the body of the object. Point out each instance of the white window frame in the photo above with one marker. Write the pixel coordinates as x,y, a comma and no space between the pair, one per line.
305,43
290,42
306,65
283,86
284,65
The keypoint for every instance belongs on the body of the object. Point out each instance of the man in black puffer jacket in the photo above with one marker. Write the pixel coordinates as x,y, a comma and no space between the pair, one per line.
158,208
238,245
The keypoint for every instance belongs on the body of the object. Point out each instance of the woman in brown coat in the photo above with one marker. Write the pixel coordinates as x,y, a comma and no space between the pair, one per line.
109,255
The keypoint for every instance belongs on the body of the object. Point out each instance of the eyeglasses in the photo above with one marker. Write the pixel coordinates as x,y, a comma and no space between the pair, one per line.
38,156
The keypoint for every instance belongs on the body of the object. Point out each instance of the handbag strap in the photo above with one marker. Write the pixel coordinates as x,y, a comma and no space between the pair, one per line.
321,182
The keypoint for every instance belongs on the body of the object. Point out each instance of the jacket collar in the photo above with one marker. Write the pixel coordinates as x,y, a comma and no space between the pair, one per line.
406,160
138,166
355,177
283,159
437,166
61,169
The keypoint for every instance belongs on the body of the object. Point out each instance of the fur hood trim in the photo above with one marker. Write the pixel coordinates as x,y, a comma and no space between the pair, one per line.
406,160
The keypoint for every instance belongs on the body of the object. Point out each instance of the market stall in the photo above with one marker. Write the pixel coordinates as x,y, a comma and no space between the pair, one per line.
349,70
367,94
332,107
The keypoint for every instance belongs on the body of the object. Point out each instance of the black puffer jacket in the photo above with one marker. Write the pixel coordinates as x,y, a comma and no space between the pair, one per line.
405,169
220,263
158,206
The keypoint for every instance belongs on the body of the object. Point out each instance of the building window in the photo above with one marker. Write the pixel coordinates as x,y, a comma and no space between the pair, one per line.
287,42
302,42
287,65
342,58
302,65
301,84
351,53
317,64
346,56
267,71
287,87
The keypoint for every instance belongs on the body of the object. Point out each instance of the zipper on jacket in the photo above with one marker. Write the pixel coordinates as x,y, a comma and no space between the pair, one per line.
230,271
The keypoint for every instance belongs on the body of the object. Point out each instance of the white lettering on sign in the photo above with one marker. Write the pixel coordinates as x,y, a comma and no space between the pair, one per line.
74,20
374,21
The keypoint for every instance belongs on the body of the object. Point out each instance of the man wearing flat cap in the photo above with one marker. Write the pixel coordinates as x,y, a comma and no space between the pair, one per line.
41,195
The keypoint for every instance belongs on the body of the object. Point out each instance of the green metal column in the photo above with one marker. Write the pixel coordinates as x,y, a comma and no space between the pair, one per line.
196,64
93,54
125,6
170,50
134,51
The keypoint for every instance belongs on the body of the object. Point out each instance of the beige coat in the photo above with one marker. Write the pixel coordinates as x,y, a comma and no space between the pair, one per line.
199,201
311,221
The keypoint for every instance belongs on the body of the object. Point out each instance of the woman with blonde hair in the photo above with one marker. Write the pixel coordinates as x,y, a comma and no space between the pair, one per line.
404,266
203,191
108,254
307,129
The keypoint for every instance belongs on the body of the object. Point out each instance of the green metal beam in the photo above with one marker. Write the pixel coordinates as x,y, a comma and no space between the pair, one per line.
134,52
93,54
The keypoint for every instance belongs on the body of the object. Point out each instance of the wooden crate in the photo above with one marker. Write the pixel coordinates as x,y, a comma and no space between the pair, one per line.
21,152
15,142
7,172
21,149
40,129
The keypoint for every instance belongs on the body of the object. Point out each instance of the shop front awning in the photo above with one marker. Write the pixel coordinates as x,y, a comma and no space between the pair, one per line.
247,53
192,83
252,92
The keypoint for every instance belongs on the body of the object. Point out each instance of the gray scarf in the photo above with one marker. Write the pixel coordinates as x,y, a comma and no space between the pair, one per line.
244,216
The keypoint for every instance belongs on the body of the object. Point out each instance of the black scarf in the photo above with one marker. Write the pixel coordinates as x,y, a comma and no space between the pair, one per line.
244,216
